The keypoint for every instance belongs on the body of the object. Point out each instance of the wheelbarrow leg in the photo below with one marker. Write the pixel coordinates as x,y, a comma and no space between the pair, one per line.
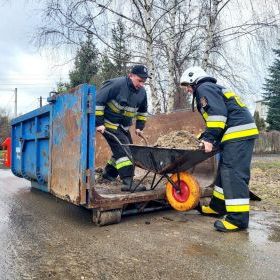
176,187
153,181
139,182
153,187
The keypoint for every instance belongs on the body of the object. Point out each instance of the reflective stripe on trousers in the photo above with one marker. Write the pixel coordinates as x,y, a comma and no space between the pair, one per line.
232,182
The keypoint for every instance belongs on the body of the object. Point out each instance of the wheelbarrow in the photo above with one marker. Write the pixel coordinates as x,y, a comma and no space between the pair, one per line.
182,188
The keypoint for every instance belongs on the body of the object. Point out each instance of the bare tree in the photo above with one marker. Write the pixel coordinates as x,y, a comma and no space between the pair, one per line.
5,128
228,32
169,36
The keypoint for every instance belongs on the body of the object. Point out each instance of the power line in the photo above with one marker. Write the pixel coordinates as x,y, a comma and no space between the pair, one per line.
6,89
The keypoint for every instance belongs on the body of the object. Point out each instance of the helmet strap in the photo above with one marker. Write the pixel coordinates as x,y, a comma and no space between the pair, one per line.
193,97
193,103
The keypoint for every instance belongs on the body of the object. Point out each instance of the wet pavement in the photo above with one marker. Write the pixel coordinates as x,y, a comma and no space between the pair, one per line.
42,237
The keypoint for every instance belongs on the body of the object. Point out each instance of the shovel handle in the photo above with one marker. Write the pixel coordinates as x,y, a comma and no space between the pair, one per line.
144,138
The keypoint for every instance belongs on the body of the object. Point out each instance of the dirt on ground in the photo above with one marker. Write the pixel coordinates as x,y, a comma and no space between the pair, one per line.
43,237
265,182
178,139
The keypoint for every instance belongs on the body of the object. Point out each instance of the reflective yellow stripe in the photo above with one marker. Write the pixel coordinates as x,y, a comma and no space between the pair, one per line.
219,195
216,124
208,210
141,118
229,94
109,125
240,134
99,113
238,208
111,162
205,115
228,225
123,164
235,96
129,114
113,107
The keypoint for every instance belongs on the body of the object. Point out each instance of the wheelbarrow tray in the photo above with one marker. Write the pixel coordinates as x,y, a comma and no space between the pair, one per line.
166,160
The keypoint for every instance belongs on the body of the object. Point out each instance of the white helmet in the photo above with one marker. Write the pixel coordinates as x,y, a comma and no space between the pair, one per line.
192,75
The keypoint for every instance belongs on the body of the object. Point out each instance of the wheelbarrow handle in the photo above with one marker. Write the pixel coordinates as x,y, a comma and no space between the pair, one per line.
144,138
127,152
201,146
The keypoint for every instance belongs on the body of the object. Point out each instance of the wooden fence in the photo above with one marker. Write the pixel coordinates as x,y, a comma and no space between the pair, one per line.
268,142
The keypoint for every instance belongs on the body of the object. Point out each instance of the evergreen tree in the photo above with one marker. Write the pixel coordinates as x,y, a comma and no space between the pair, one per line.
86,64
62,86
106,71
272,93
120,54
115,62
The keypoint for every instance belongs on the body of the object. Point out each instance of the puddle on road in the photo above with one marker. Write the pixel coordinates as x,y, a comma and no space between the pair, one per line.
264,227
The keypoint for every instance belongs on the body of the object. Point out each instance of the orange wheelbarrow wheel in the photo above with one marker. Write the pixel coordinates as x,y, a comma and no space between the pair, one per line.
188,196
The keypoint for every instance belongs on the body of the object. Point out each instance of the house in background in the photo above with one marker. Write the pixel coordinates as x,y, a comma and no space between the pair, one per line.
262,109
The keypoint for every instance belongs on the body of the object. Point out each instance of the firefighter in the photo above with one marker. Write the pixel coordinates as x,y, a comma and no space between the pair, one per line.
118,101
230,126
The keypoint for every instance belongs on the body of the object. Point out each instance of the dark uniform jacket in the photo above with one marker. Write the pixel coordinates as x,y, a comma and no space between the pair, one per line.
118,102
226,117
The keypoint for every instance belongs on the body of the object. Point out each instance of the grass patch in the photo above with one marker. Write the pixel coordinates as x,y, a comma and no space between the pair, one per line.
267,165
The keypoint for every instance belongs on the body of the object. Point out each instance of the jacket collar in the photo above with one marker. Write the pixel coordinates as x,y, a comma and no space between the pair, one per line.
203,80
130,84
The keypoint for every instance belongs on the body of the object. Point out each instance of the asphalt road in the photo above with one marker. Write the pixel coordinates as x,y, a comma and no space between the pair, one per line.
42,237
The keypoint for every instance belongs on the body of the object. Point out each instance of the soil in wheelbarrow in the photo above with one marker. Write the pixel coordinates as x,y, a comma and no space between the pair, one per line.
178,140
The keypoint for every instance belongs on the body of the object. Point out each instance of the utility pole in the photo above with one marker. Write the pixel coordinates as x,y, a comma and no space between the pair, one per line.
40,101
15,103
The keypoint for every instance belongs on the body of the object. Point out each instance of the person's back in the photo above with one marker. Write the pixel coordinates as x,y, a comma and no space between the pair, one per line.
230,125
239,123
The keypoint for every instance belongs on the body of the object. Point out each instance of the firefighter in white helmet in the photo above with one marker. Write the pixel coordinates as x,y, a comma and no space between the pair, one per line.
230,126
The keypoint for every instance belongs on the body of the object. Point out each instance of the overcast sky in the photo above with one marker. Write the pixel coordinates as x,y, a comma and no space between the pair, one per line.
23,67
21,64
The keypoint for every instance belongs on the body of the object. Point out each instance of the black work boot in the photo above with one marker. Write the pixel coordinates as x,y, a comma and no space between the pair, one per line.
225,226
207,211
126,186
108,177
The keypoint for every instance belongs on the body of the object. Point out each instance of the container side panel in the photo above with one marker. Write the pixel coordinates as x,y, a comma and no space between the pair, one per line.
16,150
29,129
44,158
29,159
66,147
43,134
30,144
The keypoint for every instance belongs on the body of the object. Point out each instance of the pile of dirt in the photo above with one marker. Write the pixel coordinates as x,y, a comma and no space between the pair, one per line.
178,139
